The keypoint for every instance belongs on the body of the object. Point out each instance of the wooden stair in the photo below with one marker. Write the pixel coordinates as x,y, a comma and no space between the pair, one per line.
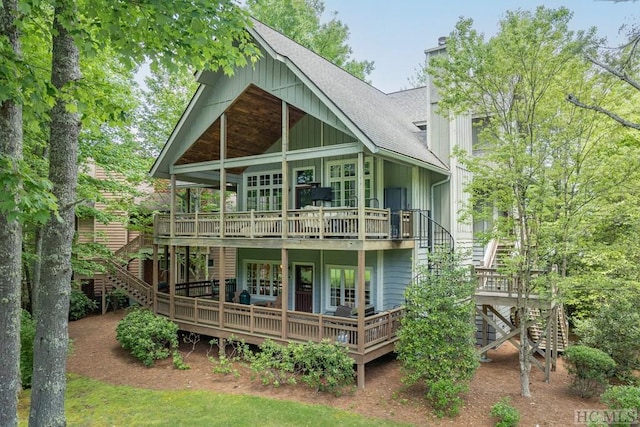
121,278
538,334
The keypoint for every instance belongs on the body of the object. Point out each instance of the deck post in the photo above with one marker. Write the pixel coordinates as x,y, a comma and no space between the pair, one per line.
285,169
549,347
485,333
284,307
154,286
361,195
360,372
223,171
173,275
222,285
172,209
361,303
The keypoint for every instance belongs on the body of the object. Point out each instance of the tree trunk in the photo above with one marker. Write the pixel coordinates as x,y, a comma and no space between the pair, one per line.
11,238
52,296
525,362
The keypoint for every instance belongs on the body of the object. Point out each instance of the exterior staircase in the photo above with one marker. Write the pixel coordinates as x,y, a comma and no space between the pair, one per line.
497,253
121,278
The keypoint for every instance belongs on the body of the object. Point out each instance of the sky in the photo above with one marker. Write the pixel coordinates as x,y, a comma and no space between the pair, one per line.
394,33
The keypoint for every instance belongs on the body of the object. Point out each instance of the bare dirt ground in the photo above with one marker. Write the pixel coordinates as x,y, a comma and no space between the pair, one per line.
97,354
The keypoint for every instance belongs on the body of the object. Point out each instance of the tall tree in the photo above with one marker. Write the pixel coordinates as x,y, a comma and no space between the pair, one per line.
300,20
10,229
204,33
534,149
52,300
620,70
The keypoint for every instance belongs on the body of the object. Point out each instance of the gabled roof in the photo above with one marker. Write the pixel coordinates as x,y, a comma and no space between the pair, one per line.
382,120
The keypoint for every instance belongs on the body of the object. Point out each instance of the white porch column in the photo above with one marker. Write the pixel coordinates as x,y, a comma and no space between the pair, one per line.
223,171
285,169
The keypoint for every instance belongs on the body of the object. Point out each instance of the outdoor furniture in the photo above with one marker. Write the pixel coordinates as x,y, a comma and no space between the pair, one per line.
343,311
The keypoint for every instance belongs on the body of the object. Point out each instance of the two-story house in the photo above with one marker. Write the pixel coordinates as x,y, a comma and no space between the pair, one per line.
341,191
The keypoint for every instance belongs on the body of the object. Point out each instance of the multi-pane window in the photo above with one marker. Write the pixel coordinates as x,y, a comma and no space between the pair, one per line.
264,278
264,191
342,286
343,180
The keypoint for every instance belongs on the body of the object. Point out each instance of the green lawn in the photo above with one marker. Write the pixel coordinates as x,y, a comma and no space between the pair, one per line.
93,403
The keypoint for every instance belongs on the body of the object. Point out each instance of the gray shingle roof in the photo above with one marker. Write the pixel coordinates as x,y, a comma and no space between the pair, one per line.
381,118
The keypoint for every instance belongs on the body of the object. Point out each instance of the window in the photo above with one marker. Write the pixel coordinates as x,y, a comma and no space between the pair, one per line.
264,278
343,181
264,191
342,286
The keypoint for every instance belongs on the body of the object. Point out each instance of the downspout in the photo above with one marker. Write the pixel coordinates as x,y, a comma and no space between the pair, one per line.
431,206
433,186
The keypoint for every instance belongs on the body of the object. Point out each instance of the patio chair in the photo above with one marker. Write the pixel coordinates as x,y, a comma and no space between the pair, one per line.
343,311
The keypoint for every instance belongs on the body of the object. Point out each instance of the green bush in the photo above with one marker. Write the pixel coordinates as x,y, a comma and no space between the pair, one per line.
118,298
507,415
324,366
444,396
626,398
273,364
27,334
589,368
436,343
149,337
80,305
615,329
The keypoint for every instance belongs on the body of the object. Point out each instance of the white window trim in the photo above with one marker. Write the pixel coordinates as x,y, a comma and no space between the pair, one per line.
275,263
327,284
370,177
257,174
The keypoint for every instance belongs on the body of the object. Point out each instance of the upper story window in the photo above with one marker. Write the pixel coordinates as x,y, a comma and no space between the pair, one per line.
343,180
264,191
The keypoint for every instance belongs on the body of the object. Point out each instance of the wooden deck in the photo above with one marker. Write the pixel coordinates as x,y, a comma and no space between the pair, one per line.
319,223
254,324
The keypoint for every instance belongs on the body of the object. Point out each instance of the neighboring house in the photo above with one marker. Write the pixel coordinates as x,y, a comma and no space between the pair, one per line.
132,249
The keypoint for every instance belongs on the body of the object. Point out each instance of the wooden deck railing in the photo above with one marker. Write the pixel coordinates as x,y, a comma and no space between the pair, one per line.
300,223
492,280
266,322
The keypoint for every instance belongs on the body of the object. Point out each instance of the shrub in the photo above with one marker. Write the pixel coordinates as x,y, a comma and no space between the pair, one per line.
444,396
589,369
273,364
149,337
437,339
507,415
625,398
324,366
118,298
27,334
615,329
80,305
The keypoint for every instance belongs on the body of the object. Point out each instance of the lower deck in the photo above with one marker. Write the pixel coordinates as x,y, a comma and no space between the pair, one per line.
367,338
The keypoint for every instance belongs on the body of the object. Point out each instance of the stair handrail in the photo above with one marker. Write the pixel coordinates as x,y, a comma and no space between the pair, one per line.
432,234
134,245
135,283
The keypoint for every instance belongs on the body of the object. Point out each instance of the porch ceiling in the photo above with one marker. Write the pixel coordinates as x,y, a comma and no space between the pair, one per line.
254,124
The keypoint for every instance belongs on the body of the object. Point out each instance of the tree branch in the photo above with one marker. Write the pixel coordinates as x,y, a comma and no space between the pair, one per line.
618,73
575,101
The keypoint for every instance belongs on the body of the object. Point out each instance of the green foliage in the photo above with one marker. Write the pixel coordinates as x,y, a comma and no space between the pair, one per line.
274,364
436,341
118,298
300,21
507,415
224,363
615,329
149,337
27,334
324,366
589,369
444,396
626,398
80,305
